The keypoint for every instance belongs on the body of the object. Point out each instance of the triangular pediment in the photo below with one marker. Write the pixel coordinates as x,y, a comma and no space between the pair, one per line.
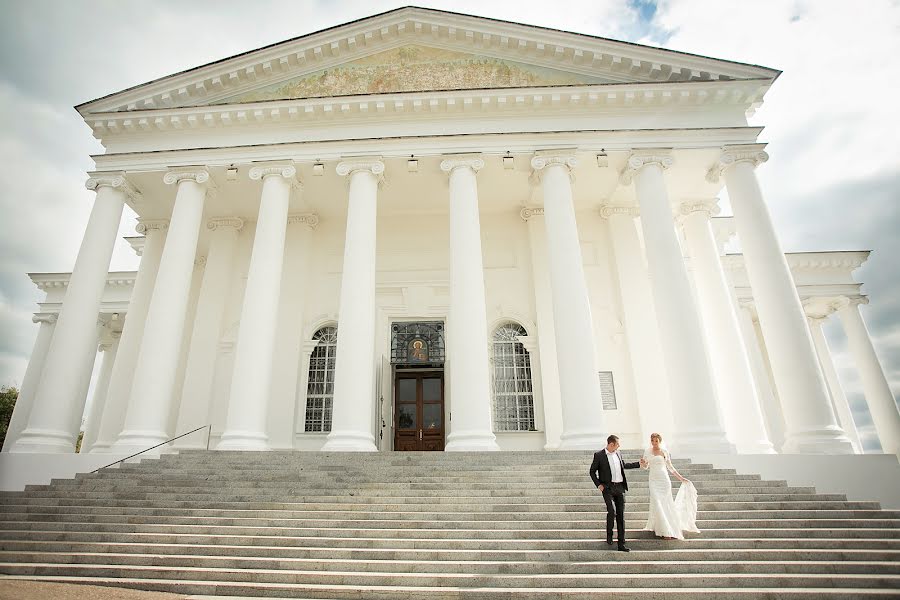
420,50
415,68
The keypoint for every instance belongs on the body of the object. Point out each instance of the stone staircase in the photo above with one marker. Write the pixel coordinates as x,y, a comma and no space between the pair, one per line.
521,525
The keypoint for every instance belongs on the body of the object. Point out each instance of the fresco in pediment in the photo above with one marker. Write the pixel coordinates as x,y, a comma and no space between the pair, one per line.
414,69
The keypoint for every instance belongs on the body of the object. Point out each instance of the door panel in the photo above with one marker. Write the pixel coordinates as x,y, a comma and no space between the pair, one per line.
419,411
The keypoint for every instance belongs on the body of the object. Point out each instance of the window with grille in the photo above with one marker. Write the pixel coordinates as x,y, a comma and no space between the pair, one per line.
320,388
513,391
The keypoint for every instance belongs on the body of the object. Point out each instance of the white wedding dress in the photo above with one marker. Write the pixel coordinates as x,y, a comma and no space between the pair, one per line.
668,517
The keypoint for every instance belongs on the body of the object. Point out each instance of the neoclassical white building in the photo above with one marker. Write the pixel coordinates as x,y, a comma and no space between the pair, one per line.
431,231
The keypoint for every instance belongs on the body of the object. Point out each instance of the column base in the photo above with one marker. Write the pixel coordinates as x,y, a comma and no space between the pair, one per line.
44,441
350,441
244,441
831,440
582,440
703,442
471,441
757,447
131,442
100,448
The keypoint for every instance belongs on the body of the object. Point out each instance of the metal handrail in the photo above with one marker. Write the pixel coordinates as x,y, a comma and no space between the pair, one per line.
208,433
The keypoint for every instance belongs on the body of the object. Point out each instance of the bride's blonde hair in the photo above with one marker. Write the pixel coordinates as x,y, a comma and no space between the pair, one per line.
657,436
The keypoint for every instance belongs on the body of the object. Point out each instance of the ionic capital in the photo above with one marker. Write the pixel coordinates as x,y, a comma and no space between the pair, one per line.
49,318
225,224
710,206
475,163
196,174
732,155
541,161
528,212
145,226
115,180
845,302
285,170
373,166
817,310
311,220
609,210
200,262
644,158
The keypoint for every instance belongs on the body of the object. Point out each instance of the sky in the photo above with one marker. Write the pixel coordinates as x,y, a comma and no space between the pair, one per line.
831,121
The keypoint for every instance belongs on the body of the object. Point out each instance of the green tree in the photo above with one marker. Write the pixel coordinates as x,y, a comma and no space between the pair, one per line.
8,395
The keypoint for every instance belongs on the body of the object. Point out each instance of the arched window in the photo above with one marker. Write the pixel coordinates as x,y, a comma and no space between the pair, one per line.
513,392
320,388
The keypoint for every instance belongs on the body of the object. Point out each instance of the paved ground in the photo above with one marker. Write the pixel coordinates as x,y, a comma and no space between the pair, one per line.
13,589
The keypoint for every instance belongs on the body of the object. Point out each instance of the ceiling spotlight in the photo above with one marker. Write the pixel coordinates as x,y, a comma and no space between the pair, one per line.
508,161
602,159
318,169
231,173
412,165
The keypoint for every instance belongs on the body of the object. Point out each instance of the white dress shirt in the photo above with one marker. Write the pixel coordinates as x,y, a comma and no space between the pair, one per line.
615,466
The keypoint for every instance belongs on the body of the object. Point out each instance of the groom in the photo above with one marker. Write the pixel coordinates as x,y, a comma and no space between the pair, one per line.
608,473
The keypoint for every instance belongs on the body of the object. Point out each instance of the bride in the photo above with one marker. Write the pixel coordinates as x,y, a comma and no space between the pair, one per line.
668,518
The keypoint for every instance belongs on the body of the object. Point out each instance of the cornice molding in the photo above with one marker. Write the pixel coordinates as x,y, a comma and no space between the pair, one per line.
115,180
808,260
146,226
225,224
732,155
475,163
46,281
311,220
642,158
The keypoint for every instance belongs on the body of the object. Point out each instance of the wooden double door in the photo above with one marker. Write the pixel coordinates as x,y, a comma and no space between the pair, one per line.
419,410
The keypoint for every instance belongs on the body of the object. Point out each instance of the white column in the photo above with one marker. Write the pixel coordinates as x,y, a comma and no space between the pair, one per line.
32,375
816,316
113,417
196,394
728,355
641,329
55,402
546,340
467,342
109,348
769,402
876,388
153,386
810,421
695,408
579,384
354,404
248,404
86,370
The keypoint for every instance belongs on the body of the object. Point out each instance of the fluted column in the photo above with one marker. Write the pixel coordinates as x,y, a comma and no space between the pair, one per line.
579,384
728,355
248,404
876,388
354,379
109,349
152,389
809,418
113,417
695,408
641,330
816,315
56,401
467,342
32,375
546,342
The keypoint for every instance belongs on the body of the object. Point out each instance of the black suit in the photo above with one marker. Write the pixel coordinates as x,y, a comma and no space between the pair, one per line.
613,493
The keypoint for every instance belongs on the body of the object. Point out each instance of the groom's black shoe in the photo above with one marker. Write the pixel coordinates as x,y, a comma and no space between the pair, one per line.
624,548
609,541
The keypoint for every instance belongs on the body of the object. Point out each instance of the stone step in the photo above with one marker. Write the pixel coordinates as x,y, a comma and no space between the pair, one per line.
233,591
884,567
703,522
661,550
364,579
715,539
